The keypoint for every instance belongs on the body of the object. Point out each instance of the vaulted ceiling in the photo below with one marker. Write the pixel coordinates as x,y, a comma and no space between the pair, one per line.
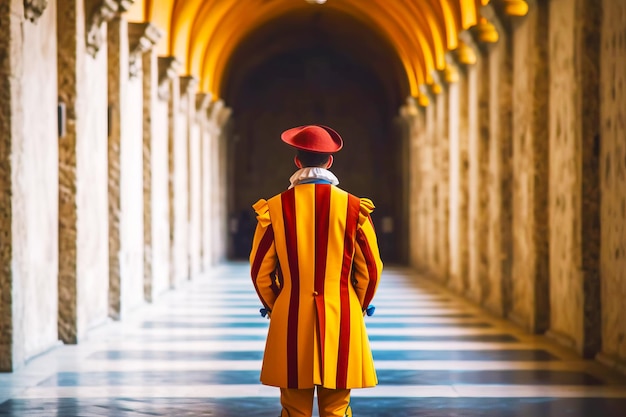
205,34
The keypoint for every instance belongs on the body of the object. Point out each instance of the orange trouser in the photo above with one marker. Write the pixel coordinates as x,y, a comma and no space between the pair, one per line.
331,402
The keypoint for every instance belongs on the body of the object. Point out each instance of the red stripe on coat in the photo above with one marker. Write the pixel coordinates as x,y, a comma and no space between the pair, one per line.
352,217
322,220
288,200
370,262
264,246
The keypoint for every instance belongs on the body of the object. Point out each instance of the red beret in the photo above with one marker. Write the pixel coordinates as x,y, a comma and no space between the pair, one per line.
313,138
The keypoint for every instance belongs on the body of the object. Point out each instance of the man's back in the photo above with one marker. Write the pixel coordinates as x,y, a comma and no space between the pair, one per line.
323,249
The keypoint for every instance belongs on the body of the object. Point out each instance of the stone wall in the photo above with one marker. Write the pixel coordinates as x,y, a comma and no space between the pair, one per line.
29,254
613,174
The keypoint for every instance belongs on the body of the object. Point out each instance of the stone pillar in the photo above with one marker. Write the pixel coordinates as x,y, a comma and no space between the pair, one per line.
529,302
458,169
613,169
497,289
414,121
478,147
219,115
182,153
142,37
203,102
441,143
194,172
574,39
162,171
184,90
28,181
83,220
168,69
428,199
125,154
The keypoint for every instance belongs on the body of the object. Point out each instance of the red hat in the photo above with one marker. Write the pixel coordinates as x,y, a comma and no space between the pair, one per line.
313,138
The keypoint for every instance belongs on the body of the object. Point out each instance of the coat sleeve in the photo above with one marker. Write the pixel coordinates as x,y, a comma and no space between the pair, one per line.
263,258
367,263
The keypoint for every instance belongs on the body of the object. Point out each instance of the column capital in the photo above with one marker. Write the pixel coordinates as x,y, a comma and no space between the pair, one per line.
223,116
104,11
33,9
214,109
203,101
142,37
188,85
168,69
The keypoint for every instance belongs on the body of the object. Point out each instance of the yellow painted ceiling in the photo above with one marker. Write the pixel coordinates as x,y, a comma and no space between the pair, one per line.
203,34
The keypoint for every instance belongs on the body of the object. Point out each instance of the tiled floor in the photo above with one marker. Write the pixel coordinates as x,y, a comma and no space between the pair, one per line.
197,352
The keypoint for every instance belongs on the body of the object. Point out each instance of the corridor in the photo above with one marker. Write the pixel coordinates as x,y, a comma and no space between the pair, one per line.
197,352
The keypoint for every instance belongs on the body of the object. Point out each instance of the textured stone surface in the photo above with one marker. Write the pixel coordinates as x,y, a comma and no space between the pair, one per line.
442,145
573,174
126,238
155,172
530,286
497,290
161,256
478,146
8,26
458,175
613,172
195,196
177,148
29,184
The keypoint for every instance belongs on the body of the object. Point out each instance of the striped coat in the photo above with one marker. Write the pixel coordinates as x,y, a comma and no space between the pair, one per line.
315,265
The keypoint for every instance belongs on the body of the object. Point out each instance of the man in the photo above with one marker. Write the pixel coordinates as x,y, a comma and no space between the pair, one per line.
315,266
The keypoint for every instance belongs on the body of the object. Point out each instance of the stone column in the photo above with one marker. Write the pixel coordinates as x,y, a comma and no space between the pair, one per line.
194,175
28,181
529,303
203,101
613,169
414,123
478,152
168,70
142,37
427,202
574,39
83,220
188,87
162,173
497,289
458,170
442,187
218,117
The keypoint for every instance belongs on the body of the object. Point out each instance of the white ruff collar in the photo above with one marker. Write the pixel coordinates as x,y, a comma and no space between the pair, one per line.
312,173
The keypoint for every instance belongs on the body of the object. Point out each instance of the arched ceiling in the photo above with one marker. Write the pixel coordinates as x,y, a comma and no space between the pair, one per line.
203,34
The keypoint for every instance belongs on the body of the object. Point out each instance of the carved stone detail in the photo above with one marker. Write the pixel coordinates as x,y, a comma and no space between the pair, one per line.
168,69
203,100
33,9
102,13
141,38
188,84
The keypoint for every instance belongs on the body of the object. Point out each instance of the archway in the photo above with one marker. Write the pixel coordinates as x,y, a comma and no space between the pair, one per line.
317,66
